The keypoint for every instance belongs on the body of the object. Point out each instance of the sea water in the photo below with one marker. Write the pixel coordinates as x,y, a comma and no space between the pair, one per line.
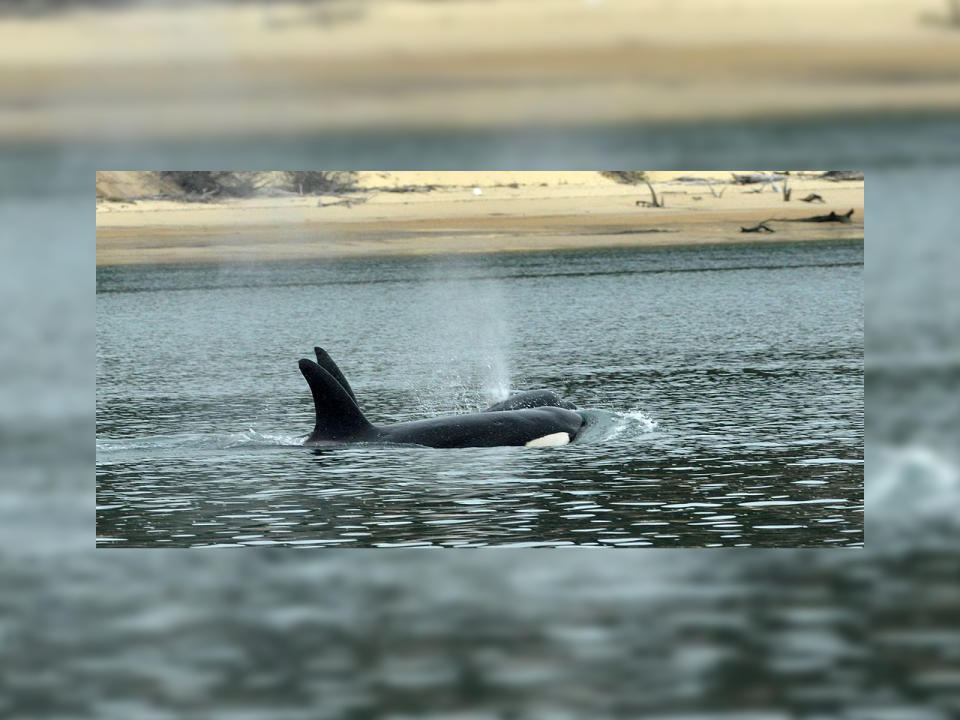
723,388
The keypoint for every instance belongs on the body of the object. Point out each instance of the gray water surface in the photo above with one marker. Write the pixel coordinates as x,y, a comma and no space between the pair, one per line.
723,388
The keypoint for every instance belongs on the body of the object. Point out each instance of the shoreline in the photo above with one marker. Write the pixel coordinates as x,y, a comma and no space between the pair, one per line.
548,212
399,254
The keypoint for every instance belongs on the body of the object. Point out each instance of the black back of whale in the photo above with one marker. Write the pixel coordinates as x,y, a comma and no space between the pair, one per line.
339,419
531,399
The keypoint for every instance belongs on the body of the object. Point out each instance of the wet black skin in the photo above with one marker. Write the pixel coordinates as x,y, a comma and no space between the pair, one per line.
339,419
531,399
507,427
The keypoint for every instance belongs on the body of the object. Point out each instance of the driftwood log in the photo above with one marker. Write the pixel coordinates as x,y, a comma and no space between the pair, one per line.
812,197
830,217
842,175
347,202
759,227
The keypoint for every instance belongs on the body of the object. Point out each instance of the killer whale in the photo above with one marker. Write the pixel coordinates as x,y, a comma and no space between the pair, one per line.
339,418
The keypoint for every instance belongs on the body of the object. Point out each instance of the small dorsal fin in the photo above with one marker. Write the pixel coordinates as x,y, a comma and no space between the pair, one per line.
338,417
326,362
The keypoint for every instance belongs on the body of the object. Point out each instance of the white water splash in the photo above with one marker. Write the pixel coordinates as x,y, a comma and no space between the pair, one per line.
640,420
605,426
496,386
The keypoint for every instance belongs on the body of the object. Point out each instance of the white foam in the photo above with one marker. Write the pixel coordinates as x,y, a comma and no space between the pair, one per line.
641,419
552,440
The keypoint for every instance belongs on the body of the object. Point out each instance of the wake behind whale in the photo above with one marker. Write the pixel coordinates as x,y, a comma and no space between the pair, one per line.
535,418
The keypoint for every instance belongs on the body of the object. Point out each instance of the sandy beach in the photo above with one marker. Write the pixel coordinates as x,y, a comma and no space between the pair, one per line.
468,212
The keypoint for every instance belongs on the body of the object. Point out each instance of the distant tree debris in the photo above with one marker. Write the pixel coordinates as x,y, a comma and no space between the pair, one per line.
765,180
346,202
759,227
318,182
192,182
205,185
407,188
812,197
837,175
830,217
210,185
654,201
787,192
691,180
625,177
758,177
635,231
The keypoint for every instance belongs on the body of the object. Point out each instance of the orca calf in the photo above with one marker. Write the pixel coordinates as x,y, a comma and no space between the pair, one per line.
519,420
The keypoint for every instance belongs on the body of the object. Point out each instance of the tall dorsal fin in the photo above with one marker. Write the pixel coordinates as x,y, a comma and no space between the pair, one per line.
338,417
326,362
